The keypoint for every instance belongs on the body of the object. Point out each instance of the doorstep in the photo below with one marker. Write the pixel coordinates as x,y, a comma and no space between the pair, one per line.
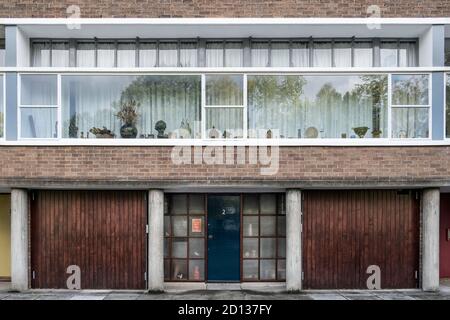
178,287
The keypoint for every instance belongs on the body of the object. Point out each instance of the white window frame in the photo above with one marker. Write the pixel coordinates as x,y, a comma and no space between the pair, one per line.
446,79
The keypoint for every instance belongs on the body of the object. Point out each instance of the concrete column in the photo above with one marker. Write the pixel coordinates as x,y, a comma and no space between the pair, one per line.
430,256
19,239
293,240
156,240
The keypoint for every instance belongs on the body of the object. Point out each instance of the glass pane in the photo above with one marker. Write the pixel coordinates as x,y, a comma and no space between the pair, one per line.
179,226
410,89
268,204
178,204
447,96
38,90
281,272
105,55
166,269
281,204
281,248
131,106
188,54
322,54
234,54
388,54
86,54
166,205
267,271
224,90
196,204
224,123
363,54
251,226
38,122
281,226
250,249
268,226
251,204
2,107
126,55
167,226
196,248
268,247
300,54
214,54
196,270
179,270
447,52
342,54
250,269
147,54
166,248
332,106
196,226
407,54
179,248
410,122
280,54
41,54
60,54
168,54
260,54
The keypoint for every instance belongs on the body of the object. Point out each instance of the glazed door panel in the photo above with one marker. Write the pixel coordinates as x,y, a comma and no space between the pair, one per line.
444,225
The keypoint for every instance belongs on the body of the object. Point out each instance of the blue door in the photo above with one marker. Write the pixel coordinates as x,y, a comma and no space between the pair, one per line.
223,238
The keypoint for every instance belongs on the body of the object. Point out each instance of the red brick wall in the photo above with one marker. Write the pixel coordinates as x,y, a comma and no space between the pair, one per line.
365,165
221,8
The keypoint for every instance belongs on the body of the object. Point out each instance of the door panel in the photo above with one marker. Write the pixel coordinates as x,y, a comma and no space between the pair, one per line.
345,232
444,240
102,232
223,238
5,237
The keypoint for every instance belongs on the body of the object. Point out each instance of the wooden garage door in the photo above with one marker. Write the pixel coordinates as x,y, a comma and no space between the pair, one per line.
345,232
102,232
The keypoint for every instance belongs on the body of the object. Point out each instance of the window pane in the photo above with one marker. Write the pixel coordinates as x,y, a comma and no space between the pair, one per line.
41,54
268,204
447,52
260,54
179,248
178,204
38,122
300,54
168,54
317,106
147,55
188,54
214,54
38,90
407,54
224,90
166,248
281,248
281,226
447,118
281,272
2,107
196,226
342,54
268,226
250,269
60,54
196,248
250,249
363,54
105,55
234,54
196,204
86,55
410,122
167,269
267,271
322,54
251,226
167,226
196,270
410,89
224,123
280,54
179,226
251,204
388,54
179,270
126,55
268,247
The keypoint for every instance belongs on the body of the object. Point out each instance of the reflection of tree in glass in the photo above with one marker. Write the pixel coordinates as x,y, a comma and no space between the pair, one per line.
410,90
224,90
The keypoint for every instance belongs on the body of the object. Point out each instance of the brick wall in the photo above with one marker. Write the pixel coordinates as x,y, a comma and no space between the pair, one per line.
372,166
230,8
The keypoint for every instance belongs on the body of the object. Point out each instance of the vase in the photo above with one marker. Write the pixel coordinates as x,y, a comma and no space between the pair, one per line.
128,131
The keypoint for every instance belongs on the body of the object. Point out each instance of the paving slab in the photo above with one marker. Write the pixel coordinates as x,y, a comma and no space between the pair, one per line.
327,296
87,297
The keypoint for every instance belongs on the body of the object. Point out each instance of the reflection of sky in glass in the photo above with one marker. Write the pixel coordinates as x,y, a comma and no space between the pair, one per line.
342,84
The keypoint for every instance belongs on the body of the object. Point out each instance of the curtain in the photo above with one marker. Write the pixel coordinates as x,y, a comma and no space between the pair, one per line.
105,55
342,54
168,54
188,54
38,122
322,54
234,54
227,121
260,54
60,54
147,55
363,54
279,56
214,54
86,55
407,54
126,55
388,54
41,54
410,122
300,54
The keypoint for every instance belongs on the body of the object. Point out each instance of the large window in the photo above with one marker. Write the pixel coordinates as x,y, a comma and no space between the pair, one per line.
447,109
2,108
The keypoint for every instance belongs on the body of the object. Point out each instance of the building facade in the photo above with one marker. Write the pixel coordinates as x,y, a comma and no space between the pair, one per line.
283,143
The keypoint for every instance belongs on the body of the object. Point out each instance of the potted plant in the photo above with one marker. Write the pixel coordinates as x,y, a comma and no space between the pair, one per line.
360,131
128,115
376,133
102,133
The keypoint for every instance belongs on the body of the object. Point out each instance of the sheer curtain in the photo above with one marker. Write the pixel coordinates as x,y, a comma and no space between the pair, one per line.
214,54
86,54
322,54
279,56
300,54
188,54
126,55
407,54
168,54
147,54
342,54
105,55
234,54
260,54
388,54
363,54
41,54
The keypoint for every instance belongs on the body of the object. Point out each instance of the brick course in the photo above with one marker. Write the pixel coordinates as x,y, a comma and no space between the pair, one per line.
220,8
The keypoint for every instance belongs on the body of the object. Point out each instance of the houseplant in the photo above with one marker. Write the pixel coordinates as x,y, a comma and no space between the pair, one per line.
128,115
360,131
102,133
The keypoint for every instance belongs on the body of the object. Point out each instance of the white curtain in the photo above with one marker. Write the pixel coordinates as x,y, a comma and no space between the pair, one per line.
322,54
407,54
260,54
214,54
60,54
105,55
188,54
363,54
410,122
38,122
41,54
279,54
168,54
342,54
388,54
234,54
86,55
227,121
147,55
300,54
126,55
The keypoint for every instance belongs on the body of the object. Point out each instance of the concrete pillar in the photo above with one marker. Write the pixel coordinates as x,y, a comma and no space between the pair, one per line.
430,256
19,239
156,240
293,240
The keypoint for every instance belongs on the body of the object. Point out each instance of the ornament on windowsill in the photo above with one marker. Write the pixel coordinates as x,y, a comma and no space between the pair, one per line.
214,133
